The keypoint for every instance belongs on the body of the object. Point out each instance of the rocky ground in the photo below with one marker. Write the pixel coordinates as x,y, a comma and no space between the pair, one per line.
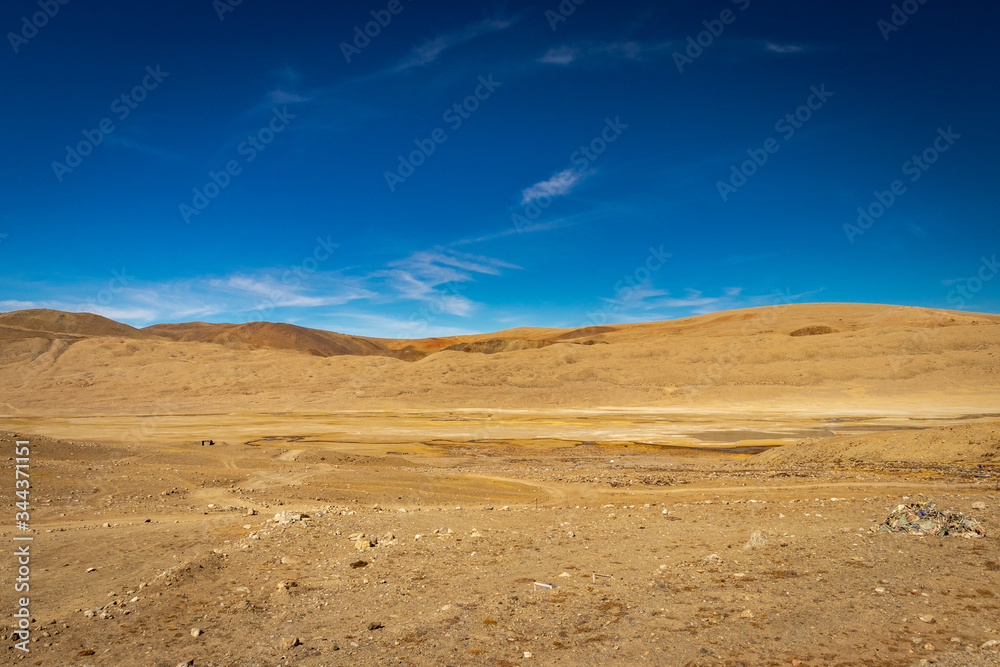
297,553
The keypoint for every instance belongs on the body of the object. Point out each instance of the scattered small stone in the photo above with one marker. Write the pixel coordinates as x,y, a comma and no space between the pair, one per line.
375,625
362,544
565,574
713,559
195,632
746,614
91,569
289,642
527,654
286,517
359,563
928,619
990,644
488,507
978,505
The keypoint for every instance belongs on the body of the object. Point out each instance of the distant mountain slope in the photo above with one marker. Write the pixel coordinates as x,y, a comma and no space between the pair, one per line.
273,335
858,356
44,323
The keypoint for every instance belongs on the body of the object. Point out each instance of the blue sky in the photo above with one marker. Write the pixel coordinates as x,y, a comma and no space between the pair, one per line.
467,167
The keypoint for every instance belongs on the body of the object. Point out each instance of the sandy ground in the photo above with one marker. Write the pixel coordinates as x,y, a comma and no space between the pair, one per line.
142,541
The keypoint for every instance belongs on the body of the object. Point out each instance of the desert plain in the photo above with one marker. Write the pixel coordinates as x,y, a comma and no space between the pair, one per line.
692,492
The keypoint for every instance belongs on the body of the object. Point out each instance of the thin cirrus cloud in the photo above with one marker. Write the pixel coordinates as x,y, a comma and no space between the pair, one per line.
435,276
562,55
558,184
782,48
429,51
603,51
279,96
425,277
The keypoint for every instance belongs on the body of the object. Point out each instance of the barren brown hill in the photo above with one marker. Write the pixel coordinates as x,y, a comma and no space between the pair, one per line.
876,358
45,323
272,335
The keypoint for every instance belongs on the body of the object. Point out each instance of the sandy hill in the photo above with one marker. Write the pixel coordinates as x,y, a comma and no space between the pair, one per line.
44,323
807,356
277,336
972,443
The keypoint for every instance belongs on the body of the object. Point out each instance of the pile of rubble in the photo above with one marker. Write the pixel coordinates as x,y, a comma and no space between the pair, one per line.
925,519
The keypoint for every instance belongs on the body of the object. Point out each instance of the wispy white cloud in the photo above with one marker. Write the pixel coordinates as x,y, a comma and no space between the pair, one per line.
124,142
562,55
383,326
782,48
126,314
558,184
431,283
431,276
429,51
645,302
599,52
279,96
12,304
